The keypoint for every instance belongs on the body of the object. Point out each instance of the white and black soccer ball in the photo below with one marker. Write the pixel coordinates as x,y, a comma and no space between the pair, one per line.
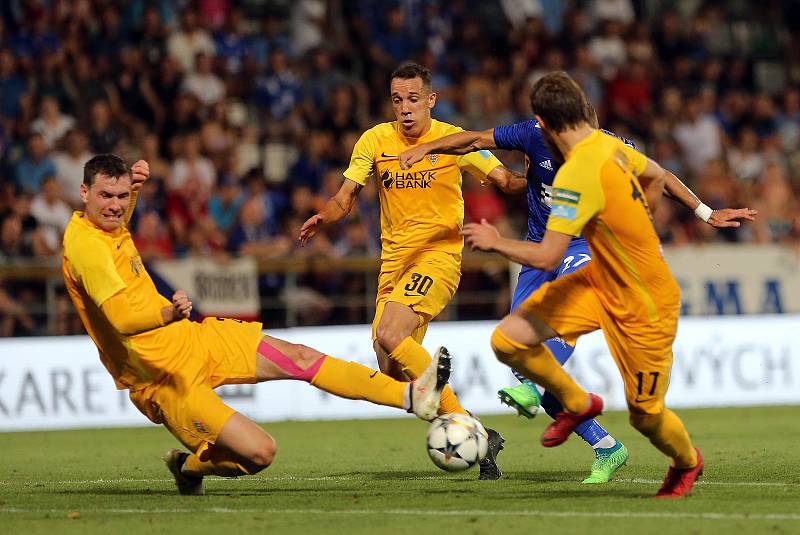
456,442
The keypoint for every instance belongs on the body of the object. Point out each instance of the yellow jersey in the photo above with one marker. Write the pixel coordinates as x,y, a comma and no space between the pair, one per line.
597,193
422,209
98,265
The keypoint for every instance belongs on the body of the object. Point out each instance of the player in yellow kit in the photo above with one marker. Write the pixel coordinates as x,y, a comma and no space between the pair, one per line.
422,212
171,365
627,290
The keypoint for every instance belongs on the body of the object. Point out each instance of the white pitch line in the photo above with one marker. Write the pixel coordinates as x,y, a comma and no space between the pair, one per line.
422,512
636,481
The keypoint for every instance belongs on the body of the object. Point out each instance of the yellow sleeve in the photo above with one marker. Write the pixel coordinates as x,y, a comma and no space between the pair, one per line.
362,161
478,164
636,158
131,206
91,260
126,319
576,200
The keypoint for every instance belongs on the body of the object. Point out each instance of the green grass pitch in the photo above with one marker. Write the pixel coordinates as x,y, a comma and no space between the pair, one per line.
375,477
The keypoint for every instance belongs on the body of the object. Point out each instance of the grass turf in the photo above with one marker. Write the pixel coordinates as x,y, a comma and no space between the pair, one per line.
374,477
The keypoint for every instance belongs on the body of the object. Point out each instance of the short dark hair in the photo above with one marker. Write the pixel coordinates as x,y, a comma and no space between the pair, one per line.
109,165
409,71
559,101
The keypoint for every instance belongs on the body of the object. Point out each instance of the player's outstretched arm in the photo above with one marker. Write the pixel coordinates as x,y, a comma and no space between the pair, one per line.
652,180
545,255
334,210
675,189
458,143
507,180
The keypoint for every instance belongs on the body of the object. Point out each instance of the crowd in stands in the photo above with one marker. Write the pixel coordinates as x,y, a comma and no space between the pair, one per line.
247,111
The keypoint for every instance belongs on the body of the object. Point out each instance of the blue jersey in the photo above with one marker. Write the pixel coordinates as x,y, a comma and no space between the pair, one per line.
527,137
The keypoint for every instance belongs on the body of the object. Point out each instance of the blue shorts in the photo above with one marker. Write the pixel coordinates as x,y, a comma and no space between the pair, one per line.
530,279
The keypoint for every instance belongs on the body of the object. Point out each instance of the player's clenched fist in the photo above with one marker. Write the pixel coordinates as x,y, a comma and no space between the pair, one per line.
310,228
411,156
181,305
140,172
481,236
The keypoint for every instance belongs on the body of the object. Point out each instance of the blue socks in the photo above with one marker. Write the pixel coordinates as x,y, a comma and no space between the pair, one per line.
590,431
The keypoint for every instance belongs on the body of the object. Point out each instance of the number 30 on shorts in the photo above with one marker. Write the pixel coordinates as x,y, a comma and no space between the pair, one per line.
419,285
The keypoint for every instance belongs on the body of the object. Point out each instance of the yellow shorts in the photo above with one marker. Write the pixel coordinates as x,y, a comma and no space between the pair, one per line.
217,351
641,350
426,285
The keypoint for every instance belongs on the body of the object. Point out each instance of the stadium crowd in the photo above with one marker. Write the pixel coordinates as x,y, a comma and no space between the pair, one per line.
247,111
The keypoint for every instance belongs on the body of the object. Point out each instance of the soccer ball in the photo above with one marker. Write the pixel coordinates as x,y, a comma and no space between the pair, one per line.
456,442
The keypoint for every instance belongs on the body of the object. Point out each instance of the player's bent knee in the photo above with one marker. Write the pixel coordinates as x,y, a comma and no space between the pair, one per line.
505,349
263,454
388,338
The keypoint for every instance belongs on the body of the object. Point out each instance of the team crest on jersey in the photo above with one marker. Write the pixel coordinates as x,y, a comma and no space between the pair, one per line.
200,426
136,265
433,158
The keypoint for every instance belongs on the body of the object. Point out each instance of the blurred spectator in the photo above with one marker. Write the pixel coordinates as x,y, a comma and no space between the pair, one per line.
51,213
151,36
313,162
277,91
151,238
225,204
35,166
192,166
12,86
14,320
778,208
20,236
698,136
69,166
185,44
745,159
608,49
103,133
253,235
231,42
51,123
203,83
307,20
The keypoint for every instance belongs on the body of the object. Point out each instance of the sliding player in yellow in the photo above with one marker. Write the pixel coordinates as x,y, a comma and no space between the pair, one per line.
422,212
171,365
627,290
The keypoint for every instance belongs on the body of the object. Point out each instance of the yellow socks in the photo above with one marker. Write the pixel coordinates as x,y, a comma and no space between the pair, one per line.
538,364
353,381
414,359
667,433
219,464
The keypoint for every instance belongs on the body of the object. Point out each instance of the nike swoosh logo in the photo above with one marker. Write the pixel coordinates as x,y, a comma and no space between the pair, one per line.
384,155
412,295
637,400
373,374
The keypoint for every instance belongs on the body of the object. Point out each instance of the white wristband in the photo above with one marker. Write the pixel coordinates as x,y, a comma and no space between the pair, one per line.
703,212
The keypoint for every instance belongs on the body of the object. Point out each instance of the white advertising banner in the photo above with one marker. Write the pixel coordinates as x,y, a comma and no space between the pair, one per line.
226,288
743,279
52,383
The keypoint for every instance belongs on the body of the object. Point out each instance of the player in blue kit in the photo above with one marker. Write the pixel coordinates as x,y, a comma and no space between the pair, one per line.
542,163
